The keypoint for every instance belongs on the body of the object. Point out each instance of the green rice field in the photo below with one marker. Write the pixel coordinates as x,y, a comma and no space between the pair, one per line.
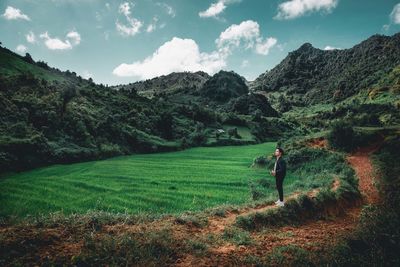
193,179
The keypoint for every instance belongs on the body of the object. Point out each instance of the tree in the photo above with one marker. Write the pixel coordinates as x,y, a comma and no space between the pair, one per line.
66,96
164,125
341,136
233,132
28,58
283,104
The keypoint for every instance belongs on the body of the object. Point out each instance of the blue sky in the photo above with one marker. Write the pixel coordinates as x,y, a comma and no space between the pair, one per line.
118,42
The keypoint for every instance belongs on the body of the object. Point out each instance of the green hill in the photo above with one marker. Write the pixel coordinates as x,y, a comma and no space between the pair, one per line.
167,84
50,116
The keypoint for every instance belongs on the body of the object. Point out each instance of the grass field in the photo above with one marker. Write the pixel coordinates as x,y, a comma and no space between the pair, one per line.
173,182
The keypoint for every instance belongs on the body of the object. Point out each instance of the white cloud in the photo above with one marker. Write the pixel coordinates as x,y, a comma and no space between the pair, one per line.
31,38
21,49
184,54
125,9
108,6
263,48
296,8
395,14
55,43
133,26
73,38
328,47
170,11
131,29
173,56
153,25
14,13
246,33
214,10
245,63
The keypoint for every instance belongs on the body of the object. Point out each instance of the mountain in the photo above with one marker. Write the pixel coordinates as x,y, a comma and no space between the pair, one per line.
171,83
225,91
224,86
310,75
252,104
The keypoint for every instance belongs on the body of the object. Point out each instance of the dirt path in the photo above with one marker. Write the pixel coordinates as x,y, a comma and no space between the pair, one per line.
217,225
312,236
361,163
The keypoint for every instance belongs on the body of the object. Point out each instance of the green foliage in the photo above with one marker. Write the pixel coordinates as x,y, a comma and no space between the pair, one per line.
237,236
341,136
198,138
255,192
260,161
192,220
197,247
223,86
289,255
233,132
252,104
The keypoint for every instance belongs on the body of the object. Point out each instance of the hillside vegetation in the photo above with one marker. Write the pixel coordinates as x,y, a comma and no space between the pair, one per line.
48,116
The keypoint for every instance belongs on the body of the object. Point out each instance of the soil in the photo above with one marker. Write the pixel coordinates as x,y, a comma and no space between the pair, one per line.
318,143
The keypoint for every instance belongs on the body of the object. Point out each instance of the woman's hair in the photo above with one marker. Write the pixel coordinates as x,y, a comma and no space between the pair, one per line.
280,150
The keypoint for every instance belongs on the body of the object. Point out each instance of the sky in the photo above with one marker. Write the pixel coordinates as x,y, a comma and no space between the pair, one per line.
118,42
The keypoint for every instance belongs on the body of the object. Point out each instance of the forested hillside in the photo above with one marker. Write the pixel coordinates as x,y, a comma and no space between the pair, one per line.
49,116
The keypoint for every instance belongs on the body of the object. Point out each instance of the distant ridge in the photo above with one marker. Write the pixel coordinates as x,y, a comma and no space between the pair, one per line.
321,76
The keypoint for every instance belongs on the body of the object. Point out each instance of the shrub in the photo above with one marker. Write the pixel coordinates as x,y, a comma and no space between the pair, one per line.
237,236
341,136
256,193
198,138
260,161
